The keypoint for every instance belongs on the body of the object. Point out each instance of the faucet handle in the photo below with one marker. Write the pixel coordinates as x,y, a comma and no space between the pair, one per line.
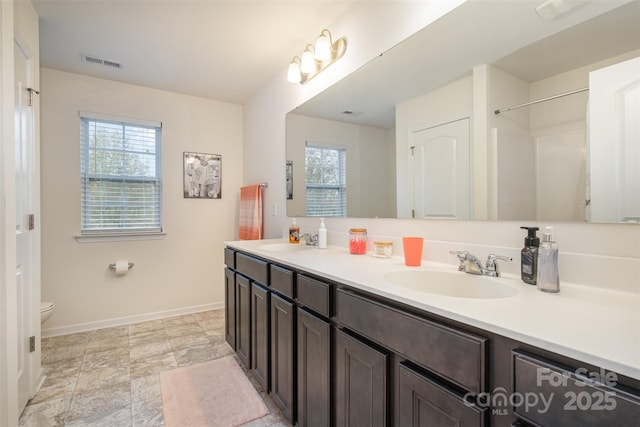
492,265
462,256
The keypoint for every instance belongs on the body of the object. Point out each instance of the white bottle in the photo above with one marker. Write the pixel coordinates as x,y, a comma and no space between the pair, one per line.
322,236
548,277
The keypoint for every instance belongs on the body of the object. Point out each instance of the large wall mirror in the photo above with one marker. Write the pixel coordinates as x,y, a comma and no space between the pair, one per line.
415,133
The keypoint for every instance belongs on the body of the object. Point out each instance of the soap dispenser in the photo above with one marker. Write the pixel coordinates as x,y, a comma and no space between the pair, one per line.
529,256
322,235
548,277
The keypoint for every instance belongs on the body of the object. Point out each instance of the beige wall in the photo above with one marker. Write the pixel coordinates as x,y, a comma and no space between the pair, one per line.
183,270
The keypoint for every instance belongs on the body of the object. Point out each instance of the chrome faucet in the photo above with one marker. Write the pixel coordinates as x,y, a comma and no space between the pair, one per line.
310,239
469,263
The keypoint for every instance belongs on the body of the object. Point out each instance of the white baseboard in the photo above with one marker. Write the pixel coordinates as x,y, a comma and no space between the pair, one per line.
127,320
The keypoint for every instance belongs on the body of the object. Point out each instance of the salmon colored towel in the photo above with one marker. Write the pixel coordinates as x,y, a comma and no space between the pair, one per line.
251,212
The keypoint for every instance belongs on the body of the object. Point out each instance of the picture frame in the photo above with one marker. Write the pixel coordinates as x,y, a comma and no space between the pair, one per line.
202,175
289,178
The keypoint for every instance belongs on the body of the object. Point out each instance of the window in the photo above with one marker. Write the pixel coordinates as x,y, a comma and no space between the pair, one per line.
121,176
326,180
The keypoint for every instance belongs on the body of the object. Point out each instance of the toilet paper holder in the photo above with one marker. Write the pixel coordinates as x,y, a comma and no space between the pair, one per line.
113,265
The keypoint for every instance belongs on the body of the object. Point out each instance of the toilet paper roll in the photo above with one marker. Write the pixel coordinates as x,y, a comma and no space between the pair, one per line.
122,267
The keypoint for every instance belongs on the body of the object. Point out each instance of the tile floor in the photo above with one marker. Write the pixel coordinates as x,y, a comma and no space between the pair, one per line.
110,377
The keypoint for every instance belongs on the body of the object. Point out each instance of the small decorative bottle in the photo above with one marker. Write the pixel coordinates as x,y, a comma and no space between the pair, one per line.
294,232
548,277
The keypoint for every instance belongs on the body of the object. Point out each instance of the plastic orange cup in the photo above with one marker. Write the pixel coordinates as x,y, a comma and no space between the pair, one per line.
412,247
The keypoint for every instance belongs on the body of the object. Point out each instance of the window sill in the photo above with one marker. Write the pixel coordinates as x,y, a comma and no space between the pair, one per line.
119,237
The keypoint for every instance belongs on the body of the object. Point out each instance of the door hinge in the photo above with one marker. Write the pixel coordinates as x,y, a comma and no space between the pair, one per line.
413,213
413,148
31,92
32,344
32,221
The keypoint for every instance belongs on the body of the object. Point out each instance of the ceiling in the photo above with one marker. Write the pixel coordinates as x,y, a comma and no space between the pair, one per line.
223,50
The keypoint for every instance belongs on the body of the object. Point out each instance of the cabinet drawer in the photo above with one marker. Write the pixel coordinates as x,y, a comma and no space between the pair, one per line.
254,268
569,396
423,402
458,356
282,280
314,294
230,258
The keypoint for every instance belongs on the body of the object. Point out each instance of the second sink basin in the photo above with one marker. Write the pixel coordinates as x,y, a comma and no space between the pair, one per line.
458,284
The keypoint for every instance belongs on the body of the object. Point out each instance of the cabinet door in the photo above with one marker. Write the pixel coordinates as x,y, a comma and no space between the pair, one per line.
314,368
422,402
361,383
230,307
282,356
260,335
243,320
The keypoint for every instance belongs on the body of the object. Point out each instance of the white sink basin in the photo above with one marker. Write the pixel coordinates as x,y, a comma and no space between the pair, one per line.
284,247
454,284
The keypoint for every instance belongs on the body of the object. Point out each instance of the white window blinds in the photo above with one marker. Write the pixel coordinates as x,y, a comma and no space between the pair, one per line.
326,181
121,176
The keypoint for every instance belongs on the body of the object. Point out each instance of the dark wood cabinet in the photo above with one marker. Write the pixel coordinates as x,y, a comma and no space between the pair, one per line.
230,307
361,383
243,320
314,370
422,402
260,350
282,355
329,354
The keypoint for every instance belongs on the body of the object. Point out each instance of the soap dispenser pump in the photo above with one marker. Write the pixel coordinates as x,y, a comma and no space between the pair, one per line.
322,235
529,256
548,277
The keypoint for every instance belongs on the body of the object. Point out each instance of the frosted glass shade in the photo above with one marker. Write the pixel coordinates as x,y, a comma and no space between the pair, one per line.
323,48
293,75
308,62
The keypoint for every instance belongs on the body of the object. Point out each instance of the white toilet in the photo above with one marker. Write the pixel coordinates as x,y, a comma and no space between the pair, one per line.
46,310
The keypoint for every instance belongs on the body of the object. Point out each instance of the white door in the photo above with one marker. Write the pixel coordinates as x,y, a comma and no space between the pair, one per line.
614,142
24,169
441,161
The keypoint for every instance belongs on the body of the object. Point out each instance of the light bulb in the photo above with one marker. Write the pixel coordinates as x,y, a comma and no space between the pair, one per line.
308,64
323,46
293,75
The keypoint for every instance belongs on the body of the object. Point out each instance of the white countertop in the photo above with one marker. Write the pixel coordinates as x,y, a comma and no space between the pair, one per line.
594,325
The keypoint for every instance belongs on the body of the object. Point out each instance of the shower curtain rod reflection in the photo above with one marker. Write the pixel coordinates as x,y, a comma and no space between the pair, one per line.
537,101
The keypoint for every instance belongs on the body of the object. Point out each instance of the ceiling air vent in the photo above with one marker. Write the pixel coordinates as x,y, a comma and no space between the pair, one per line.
93,59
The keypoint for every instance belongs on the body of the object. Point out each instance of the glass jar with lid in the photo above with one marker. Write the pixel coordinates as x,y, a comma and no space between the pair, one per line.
358,241
382,249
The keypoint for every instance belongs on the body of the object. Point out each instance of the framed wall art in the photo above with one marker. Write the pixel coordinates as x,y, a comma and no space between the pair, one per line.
289,175
202,176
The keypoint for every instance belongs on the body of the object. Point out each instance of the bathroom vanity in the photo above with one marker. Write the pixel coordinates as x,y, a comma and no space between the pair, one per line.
340,339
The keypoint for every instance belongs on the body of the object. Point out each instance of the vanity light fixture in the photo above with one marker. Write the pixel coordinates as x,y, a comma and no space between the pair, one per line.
316,58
